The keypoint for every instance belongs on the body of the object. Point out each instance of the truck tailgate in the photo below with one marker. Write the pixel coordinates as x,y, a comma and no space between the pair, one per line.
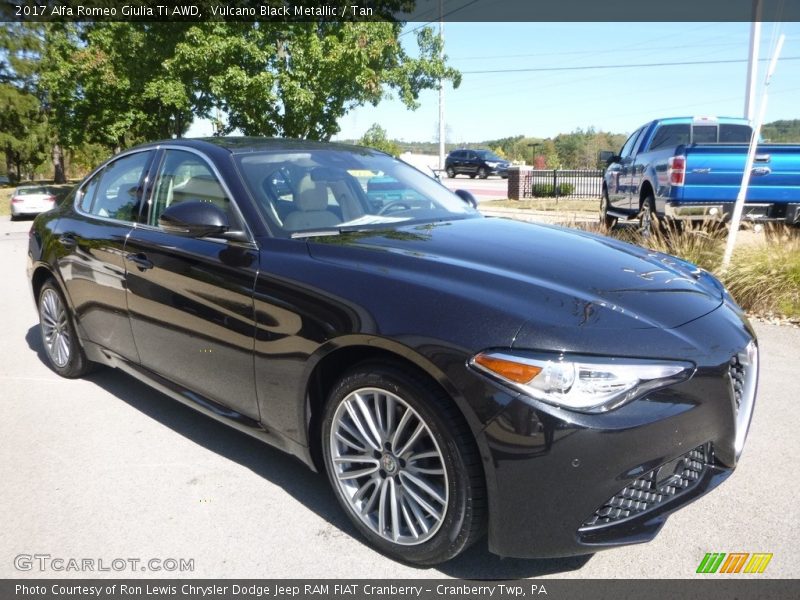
714,173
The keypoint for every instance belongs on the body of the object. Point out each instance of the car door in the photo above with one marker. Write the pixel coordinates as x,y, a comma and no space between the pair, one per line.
92,240
471,163
191,299
619,177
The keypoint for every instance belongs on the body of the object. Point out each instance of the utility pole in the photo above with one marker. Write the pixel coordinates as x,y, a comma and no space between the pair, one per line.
441,86
752,62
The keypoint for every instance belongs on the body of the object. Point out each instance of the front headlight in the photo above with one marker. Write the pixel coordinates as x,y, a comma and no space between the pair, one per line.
582,383
491,165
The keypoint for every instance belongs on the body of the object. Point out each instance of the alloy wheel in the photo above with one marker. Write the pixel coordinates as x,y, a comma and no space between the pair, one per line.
388,466
55,328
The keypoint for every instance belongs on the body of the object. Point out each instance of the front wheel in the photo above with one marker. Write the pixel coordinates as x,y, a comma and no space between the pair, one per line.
483,173
451,173
403,464
606,220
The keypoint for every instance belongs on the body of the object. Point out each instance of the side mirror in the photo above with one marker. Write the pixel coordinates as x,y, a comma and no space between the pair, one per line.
194,219
607,156
467,197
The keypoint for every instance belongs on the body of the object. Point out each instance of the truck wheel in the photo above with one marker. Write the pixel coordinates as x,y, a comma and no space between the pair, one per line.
648,218
606,220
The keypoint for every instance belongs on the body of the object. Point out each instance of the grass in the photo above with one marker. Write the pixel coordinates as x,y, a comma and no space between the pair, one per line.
559,204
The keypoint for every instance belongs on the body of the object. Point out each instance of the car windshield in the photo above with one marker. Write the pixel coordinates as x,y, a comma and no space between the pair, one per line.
487,155
311,192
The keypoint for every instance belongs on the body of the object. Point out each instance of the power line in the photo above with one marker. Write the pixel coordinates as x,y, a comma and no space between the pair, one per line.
444,16
628,66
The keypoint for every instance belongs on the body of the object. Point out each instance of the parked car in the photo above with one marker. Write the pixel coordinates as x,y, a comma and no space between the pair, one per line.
29,200
481,163
4,180
451,374
690,169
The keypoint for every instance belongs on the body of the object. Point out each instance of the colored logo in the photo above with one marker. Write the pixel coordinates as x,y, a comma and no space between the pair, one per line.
734,562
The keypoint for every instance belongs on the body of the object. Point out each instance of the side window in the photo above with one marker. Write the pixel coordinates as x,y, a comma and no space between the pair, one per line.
88,193
628,147
735,134
185,177
670,136
116,192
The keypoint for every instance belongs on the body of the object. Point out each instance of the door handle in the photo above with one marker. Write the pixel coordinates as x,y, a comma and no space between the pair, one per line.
68,241
141,261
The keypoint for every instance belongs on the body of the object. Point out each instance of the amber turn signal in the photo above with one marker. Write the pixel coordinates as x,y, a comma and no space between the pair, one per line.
514,371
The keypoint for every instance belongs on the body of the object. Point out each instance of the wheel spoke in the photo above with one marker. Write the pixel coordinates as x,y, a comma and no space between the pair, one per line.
423,485
424,503
410,442
407,517
348,442
417,511
357,422
382,507
394,510
368,417
401,427
343,476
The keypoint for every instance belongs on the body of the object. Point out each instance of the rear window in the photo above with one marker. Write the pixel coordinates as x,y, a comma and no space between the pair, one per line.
26,191
735,134
669,136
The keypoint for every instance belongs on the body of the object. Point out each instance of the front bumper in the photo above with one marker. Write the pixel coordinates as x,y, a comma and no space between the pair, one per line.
722,211
567,483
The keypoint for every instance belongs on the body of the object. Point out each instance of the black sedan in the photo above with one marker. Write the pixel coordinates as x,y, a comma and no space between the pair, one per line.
451,374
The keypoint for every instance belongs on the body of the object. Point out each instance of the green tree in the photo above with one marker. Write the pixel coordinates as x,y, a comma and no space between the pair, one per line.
375,137
300,79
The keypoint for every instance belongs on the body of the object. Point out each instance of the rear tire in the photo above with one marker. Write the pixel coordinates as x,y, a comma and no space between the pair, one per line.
451,172
483,173
62,347
403,464
648,219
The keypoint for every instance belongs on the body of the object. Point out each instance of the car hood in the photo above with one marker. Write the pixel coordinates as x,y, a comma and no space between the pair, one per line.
561,277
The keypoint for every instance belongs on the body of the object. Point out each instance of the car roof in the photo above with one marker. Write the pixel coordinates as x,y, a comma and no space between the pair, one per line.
243,144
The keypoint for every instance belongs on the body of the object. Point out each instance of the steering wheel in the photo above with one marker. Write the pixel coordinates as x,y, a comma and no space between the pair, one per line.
395,205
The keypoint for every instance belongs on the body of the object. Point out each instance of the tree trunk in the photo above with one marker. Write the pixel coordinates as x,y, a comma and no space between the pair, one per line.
59,176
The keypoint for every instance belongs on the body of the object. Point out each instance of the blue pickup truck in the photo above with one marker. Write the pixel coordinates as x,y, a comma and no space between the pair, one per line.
690,169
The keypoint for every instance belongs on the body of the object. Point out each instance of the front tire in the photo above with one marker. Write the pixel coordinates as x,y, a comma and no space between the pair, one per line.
606,220
62,347
403,464
451,172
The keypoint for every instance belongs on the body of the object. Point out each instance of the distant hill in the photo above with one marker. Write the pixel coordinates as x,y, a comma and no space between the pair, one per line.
782,131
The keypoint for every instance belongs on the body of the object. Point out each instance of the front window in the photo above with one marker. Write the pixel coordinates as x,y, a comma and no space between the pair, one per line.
302,192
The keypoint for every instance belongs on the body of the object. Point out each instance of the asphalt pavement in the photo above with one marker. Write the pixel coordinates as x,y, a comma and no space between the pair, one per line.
106,469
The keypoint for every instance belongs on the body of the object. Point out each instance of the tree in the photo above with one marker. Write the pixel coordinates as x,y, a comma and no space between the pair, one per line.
23,131
299,79
375,137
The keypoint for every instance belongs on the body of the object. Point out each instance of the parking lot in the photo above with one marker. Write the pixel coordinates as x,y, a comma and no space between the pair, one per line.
106,468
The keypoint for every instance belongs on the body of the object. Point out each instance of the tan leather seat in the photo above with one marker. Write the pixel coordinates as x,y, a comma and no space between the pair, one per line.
311,200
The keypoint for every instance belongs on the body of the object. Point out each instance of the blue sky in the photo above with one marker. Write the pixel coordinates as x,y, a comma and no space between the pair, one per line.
491,105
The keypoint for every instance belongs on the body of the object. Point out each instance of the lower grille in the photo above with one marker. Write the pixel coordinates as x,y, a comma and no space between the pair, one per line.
737,373
653,488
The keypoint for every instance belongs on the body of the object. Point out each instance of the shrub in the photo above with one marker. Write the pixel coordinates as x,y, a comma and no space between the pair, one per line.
548,190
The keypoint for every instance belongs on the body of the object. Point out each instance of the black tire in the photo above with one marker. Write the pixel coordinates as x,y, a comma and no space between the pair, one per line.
13,217
74,363
483,173
450,172
462,520
606,220
472,176
648,218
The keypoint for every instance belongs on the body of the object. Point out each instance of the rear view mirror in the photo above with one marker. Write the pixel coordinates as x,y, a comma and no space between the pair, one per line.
194,219
467,197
